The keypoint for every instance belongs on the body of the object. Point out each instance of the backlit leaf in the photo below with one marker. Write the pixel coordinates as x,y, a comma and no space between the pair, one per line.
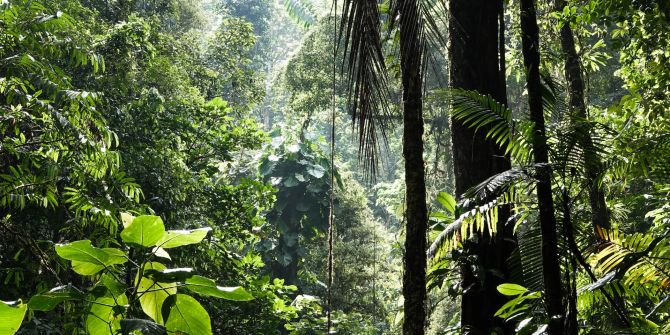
145,230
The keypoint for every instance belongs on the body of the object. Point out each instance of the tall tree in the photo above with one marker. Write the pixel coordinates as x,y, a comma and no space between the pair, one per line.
592,164
551,269
476,62
367,88
414,275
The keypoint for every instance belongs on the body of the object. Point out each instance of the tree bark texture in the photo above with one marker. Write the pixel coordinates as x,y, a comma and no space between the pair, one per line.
414,274
551,269
476,62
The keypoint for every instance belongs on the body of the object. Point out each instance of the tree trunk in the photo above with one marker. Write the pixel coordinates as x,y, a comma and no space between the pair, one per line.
551,269
592,164
414,276
476,62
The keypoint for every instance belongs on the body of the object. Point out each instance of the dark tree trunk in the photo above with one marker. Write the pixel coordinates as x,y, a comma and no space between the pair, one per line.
592,164
551,269
414,276
476,62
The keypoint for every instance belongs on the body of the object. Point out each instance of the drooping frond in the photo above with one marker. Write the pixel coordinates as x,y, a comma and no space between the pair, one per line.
566,139
637,260
478,220
553,98
426,16
367,83
529,239
301,12
498,183
476,110
589,298
478,213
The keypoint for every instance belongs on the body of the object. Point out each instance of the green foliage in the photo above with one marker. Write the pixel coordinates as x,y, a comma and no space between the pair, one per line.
154,288
144,231
184,314
477,111
56,147
636,260
151,108
517,305
301,11
300,172
228,55
75,128
88,260
11,316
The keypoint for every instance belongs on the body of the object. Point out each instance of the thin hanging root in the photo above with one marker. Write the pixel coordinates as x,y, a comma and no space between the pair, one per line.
331,214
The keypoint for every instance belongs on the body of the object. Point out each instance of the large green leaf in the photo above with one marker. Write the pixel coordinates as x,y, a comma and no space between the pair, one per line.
206,286
145,230
169,275
116,256
87,259
85,268
11,317
146,327
127,219
48,300
447,201
185,314
113,284
102,319
82,251
510,289
317,171
178,238
153,293
160,252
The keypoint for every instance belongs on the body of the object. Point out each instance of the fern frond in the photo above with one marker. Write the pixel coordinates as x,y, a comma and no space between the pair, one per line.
638,260
480,215
498,183
529,239
588,296
478,111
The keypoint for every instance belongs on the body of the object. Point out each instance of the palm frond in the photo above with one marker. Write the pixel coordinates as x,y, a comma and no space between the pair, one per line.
589,298
553,97
426,16
477,111
367,82
479,213
529,239
500,182
566,139
301,12
637,260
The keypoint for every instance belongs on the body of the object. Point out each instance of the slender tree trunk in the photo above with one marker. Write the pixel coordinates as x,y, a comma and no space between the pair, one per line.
414,276
551,269
592,164
476,62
